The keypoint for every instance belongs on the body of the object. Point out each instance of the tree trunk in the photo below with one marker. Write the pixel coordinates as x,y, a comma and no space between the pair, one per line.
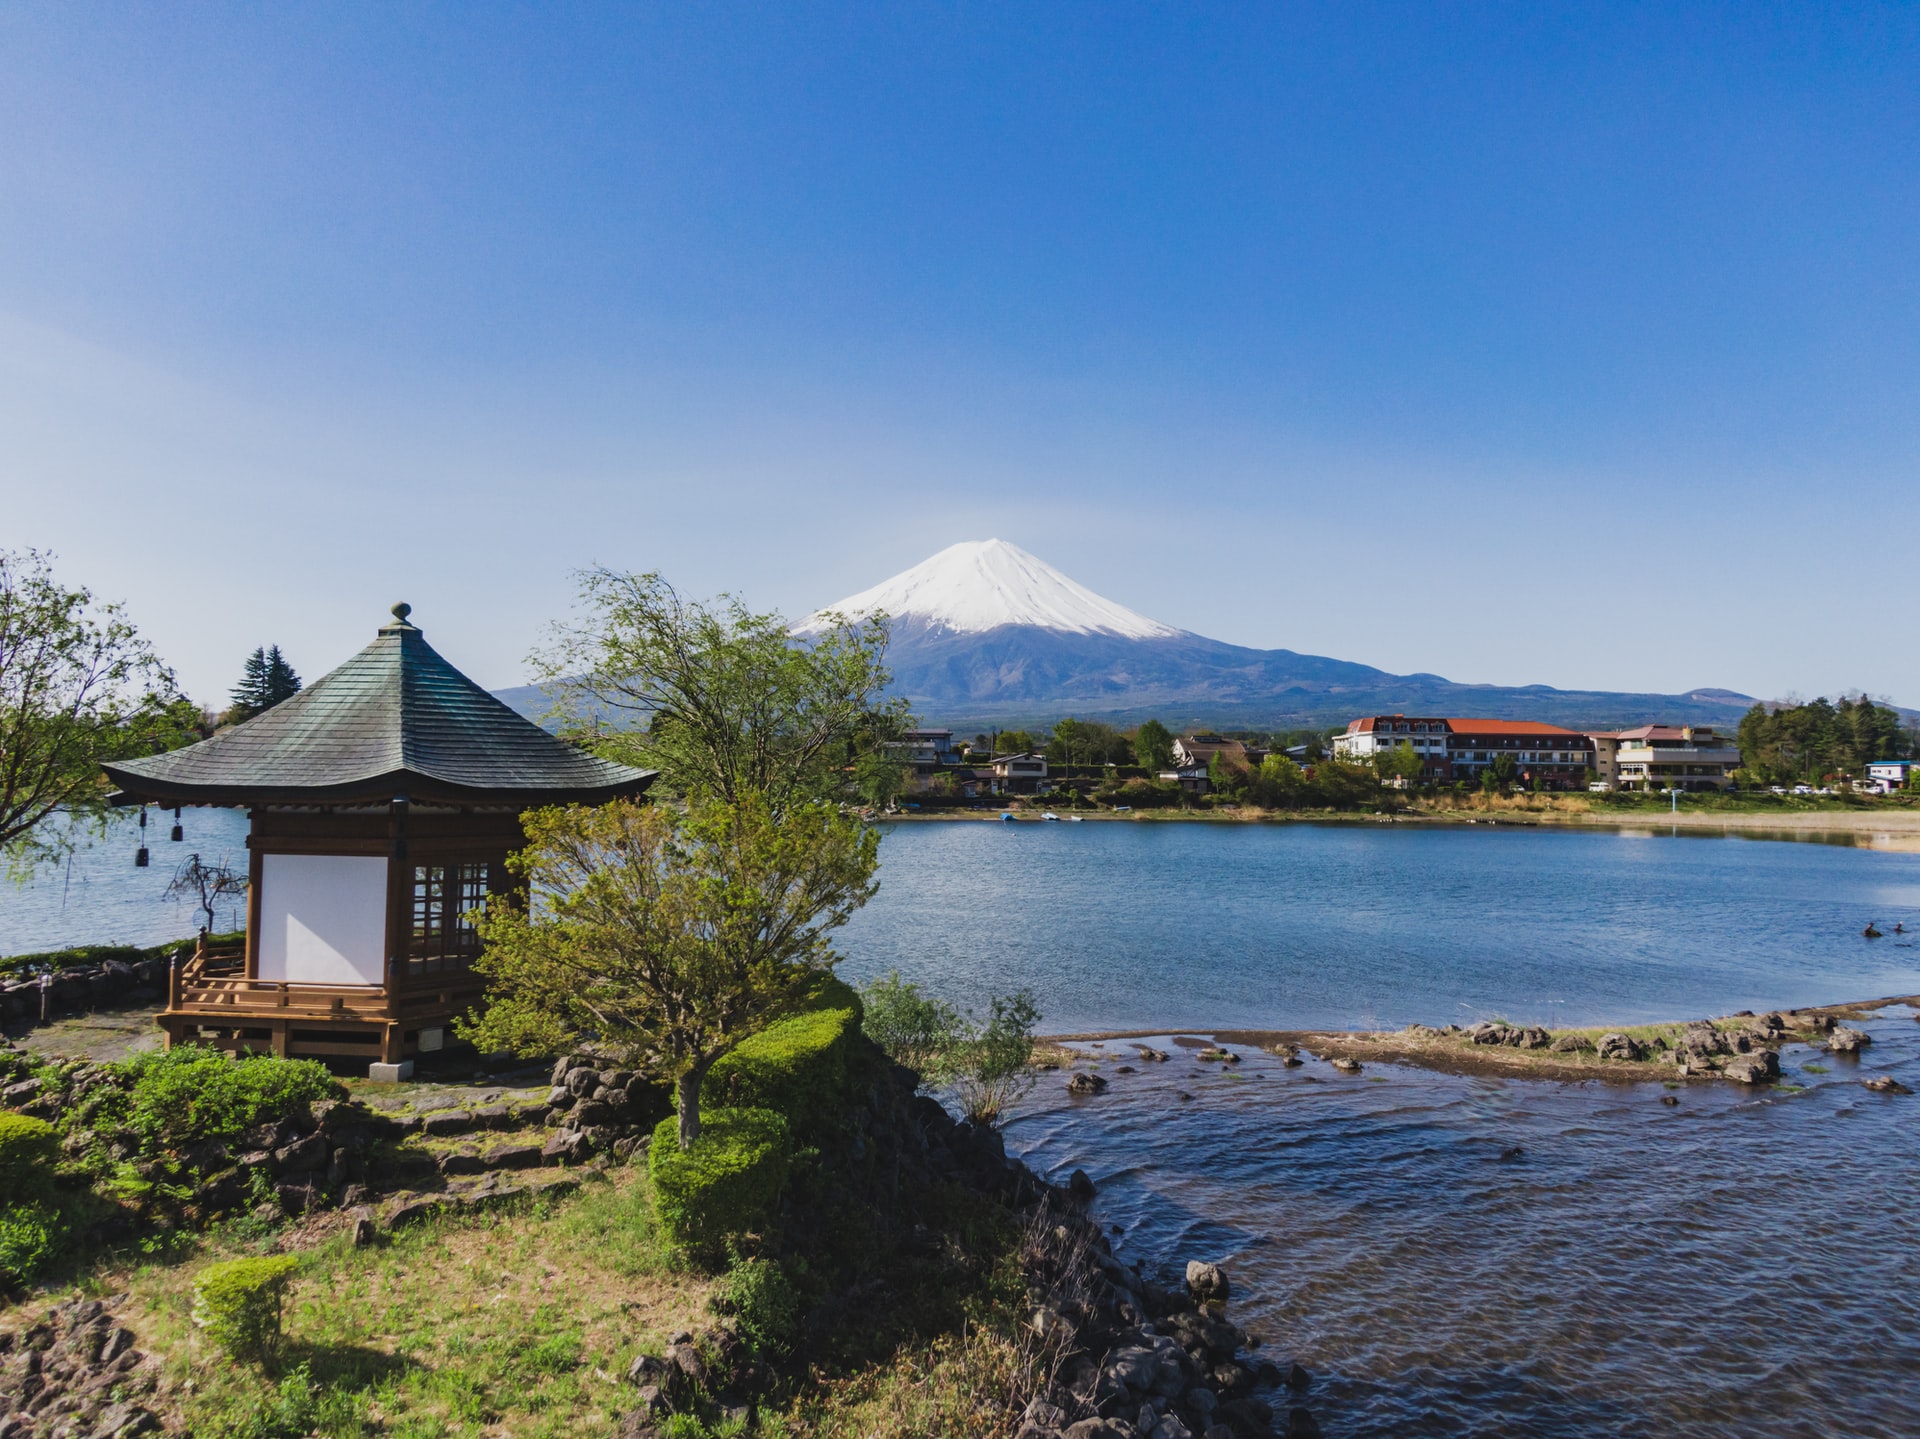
686,1101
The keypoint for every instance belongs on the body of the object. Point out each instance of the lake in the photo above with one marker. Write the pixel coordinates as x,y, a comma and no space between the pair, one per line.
1452,1256
1152,925
1447,1256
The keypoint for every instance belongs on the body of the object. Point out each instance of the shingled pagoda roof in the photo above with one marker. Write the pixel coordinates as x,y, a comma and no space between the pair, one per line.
396,719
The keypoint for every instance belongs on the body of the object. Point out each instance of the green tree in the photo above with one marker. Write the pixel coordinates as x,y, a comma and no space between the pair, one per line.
265,680
1278,783
669,934
1153,745
1226,777
1398,762
78,687
1088,742
716,697
1504,770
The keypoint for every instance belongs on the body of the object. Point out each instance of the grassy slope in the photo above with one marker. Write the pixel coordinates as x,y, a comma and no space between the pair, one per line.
518,1323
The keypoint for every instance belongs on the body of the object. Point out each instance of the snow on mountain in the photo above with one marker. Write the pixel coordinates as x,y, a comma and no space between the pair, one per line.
981,585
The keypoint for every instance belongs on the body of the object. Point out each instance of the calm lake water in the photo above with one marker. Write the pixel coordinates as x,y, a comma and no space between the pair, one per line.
1461,1256
1447,1256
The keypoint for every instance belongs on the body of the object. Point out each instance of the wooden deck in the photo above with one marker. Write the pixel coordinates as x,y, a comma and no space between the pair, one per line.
211,1001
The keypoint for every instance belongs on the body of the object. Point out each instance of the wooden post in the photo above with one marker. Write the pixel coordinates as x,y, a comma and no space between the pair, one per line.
399,906
250,966
173,982
280,1040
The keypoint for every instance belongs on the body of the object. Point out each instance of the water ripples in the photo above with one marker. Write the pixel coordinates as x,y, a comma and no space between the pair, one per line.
1456,1256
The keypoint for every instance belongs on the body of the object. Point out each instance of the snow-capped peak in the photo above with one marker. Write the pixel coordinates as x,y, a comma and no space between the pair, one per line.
984,584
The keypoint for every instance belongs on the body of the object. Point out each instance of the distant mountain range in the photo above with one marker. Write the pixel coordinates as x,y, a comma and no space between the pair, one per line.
986,635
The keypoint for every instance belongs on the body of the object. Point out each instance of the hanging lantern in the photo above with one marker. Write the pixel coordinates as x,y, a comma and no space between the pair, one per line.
140,856
178,833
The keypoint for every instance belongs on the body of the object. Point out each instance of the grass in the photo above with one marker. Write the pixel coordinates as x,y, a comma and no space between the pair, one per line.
518,1321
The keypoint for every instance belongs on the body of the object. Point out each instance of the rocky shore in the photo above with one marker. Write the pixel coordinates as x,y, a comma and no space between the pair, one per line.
1741,1048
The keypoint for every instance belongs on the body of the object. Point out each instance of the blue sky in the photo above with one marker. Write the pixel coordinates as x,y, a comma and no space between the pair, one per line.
1572,345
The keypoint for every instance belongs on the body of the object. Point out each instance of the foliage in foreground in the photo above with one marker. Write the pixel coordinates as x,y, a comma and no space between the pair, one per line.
669,935
988,1065
721,700
78,686
134,1144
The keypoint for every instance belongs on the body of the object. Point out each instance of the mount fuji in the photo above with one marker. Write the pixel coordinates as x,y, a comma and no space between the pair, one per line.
985,633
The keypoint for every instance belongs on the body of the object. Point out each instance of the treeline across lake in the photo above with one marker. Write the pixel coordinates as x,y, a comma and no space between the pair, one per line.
1821,741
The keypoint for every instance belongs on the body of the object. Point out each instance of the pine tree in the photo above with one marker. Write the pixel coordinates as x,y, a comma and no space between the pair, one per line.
282,682
266,680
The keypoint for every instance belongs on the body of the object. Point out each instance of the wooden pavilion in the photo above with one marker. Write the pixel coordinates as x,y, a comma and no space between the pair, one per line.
384,800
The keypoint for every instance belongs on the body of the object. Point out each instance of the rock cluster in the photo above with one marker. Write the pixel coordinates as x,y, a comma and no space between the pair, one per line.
75,1374
27,1000
1133,1359
1491,1032
598,1110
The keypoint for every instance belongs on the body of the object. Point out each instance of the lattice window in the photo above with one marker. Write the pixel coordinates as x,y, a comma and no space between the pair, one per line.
444,897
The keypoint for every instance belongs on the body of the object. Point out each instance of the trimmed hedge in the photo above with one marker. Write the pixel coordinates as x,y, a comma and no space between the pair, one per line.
729,1182
798,1067
28,1149
238,1303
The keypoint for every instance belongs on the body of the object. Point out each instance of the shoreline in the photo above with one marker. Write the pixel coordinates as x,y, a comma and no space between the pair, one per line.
1891,829
1456,1051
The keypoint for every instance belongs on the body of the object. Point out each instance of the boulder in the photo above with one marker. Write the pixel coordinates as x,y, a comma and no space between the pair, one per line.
1570,1044
447,1122
1760,1067
1087,1084
1848,1041
1620,1047
512,1156
1098,1428
1347,1066
1207,1282
1887,1084
1535,1038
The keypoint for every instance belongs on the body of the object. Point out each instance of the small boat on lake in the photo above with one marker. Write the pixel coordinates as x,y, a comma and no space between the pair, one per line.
1009,816
1052,816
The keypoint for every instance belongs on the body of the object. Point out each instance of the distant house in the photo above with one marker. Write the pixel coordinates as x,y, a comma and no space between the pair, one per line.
1684,757
1197,751
1019,773
1888,775
927,750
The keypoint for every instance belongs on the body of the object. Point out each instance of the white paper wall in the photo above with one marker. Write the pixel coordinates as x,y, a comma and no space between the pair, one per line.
323,918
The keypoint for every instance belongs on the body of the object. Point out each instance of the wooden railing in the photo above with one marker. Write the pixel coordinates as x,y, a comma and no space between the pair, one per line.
214,982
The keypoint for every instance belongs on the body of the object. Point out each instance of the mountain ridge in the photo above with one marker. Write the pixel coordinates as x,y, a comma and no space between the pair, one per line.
984,634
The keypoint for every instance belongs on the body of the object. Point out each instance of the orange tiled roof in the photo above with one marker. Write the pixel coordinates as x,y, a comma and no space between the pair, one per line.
1500,726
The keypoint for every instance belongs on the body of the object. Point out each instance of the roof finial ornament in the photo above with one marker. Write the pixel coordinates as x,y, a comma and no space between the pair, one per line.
401,611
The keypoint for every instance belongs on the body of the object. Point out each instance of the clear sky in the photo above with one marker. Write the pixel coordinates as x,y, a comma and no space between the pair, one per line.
1574,345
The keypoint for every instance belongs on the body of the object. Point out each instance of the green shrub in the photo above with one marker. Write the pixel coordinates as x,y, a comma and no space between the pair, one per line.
729,1182
763,1302
184,1096
30,1234
238,1304
28,1149
797,1067
911,1026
